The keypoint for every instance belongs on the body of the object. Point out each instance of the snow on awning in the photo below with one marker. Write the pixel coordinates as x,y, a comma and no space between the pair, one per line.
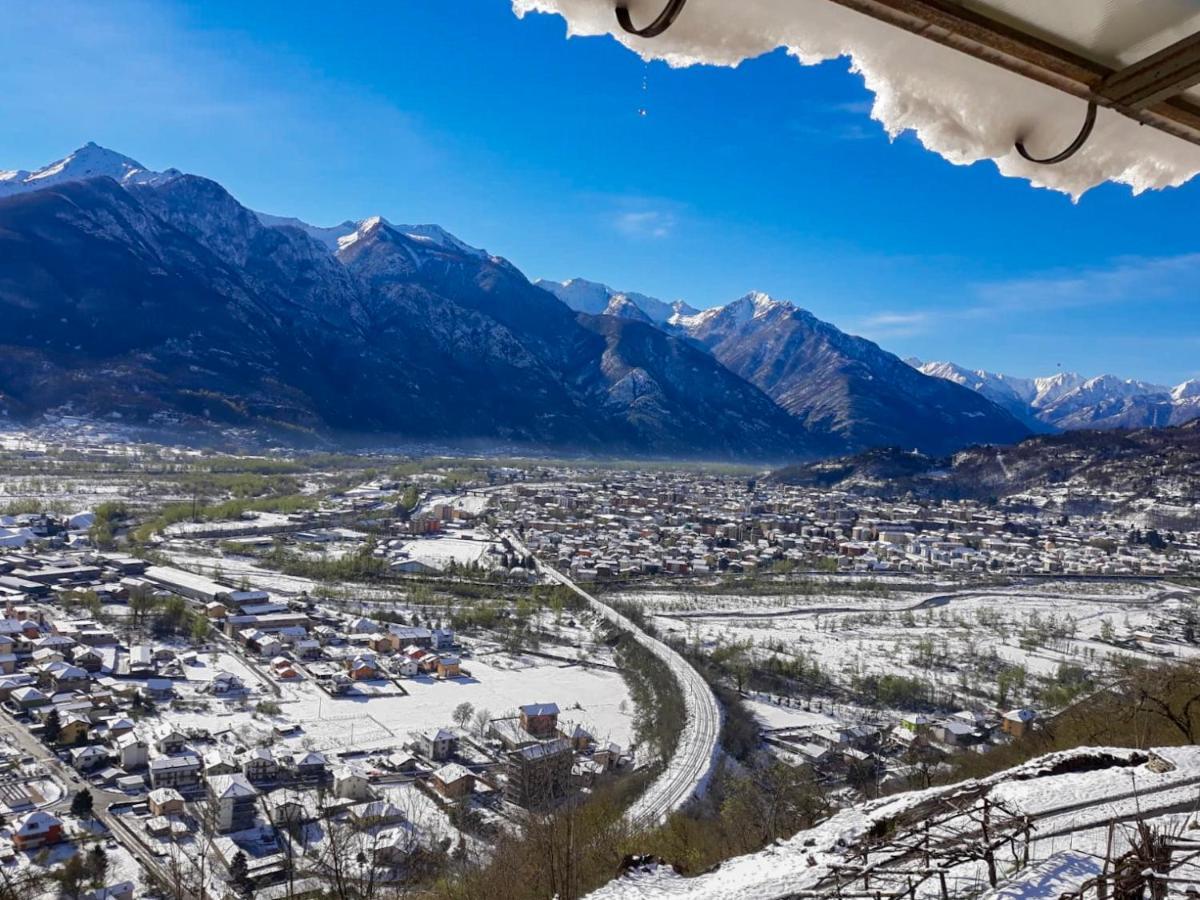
970,78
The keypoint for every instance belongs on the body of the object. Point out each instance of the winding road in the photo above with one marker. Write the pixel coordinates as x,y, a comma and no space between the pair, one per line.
687,772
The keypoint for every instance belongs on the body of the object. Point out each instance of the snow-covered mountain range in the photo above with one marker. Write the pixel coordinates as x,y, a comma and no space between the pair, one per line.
158,298
833,382
157,295
1066,400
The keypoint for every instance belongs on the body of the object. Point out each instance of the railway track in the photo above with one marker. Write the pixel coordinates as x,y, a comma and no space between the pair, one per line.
688,770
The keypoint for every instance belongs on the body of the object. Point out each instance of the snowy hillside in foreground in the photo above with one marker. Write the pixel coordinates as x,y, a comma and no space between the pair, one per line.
1069,798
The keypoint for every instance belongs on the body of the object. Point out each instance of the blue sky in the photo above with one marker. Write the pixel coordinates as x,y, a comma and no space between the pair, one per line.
767,177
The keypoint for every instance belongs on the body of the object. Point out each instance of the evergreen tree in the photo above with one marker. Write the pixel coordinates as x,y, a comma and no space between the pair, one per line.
98,864
52,727
239,875
82,804
72,878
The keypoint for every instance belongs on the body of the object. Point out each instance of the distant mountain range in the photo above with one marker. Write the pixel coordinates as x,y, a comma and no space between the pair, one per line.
156,297
834,383
1073,472
1068,401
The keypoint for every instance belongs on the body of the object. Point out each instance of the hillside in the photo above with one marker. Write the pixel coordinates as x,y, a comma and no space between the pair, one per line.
1145,464
1001,836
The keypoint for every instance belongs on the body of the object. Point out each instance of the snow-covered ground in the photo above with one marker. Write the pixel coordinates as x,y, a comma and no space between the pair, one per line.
472,504
1070,813
773,715
439,552
937,637
595,698
260,521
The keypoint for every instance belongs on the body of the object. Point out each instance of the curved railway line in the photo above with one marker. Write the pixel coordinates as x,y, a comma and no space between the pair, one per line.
688,770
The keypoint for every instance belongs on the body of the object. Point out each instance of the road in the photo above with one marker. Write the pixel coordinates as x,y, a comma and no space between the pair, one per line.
71,781
687,772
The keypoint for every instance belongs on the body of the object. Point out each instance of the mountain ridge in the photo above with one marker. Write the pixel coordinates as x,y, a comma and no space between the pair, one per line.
167,301
1067,400
373,327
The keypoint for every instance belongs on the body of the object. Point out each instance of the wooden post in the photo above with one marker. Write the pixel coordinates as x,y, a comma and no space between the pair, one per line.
1102,882
989,854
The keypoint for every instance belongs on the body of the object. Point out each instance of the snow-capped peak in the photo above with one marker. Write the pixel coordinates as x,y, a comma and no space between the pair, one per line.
765,303
89,161
753,305
622,307
594,298
439,237
1052,387
1115,386
748,307
991,384
338,237
1188,390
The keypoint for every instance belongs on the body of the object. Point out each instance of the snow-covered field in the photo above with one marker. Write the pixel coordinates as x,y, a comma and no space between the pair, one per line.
594,698
958,640
439,552
262,521
774,715
597,699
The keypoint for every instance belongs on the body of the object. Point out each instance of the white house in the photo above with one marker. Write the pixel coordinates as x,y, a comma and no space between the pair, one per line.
351,783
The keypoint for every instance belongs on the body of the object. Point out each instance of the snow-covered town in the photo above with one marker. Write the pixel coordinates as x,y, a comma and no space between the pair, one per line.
405,666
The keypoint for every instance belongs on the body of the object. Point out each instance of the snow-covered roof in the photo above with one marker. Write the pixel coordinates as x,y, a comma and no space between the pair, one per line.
540,709
1021,715
973,82
231,786
452,772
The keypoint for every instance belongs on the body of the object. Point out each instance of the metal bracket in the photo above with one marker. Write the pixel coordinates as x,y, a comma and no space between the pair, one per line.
664,21
1089,123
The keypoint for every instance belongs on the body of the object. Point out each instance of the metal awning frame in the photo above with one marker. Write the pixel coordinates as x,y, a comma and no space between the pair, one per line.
1148,91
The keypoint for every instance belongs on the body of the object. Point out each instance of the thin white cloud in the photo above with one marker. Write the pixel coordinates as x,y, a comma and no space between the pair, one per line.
1130,280
1124,280
883,325
649,223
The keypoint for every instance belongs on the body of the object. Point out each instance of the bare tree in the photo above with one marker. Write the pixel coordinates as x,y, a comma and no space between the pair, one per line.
462,713
188,868
22,882
483,718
